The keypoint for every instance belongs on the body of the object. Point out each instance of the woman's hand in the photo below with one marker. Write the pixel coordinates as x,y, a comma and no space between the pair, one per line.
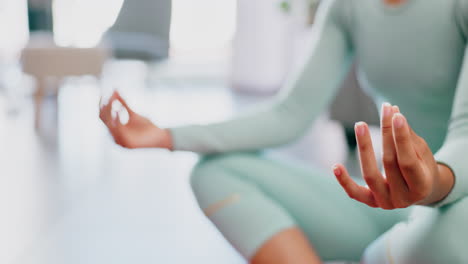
412,176
139,132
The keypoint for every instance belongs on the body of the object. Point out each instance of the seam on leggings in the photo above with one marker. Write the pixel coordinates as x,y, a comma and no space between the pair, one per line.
210,210
266,193
390,258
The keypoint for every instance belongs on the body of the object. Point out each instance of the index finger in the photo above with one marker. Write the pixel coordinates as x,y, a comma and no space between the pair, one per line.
369,167
123,102
105,112
354,190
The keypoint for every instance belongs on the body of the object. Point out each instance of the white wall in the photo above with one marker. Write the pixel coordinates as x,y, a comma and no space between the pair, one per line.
13,28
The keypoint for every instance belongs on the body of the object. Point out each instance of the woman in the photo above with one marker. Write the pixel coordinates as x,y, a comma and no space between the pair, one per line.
410,53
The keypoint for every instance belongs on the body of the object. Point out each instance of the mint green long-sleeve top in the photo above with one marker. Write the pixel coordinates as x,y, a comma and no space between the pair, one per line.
412,55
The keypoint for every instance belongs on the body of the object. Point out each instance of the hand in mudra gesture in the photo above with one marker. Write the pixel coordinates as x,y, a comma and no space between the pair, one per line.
138,132
411,174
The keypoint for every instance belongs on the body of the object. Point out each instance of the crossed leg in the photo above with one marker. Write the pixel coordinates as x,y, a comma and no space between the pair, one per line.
273,211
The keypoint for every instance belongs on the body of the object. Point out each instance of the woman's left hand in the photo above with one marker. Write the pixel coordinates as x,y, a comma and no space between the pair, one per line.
412,176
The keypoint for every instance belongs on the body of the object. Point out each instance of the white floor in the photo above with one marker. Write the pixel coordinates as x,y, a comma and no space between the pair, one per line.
69,195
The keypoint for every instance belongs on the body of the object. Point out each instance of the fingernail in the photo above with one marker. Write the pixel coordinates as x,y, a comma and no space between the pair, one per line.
360,128
398,120
387,109
396,109
337,170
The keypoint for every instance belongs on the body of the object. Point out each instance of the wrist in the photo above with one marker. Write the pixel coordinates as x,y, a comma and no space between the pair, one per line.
166,142
444,183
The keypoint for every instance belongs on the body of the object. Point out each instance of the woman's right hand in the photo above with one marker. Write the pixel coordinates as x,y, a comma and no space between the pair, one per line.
139,132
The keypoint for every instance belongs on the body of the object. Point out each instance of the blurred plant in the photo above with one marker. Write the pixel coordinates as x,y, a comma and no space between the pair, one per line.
314,3
285,6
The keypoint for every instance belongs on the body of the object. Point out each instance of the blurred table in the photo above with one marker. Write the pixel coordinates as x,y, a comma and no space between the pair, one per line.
50,64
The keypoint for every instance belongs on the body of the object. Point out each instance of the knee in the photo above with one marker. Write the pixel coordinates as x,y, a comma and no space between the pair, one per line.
431,236
215,176
204,171
210,169
450,221
446,236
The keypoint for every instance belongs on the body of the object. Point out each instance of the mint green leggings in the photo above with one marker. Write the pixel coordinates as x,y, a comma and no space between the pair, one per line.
250,198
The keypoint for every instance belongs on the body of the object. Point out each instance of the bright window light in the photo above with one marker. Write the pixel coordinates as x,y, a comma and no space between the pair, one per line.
13,28
202,24
82,23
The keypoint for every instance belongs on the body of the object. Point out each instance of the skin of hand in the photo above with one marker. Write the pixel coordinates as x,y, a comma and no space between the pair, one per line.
411,174
394,2
139,132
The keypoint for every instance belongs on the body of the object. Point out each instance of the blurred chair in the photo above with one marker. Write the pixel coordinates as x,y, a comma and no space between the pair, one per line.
142,30
40,15
45,61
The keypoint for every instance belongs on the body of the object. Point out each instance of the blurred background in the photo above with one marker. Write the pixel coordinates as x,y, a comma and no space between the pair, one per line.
68,194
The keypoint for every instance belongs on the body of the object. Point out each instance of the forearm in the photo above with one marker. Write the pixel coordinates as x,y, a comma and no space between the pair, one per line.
266,128
453,152
306,93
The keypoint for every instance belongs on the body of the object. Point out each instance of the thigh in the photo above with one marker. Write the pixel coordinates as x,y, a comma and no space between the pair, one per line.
339,228
430,236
